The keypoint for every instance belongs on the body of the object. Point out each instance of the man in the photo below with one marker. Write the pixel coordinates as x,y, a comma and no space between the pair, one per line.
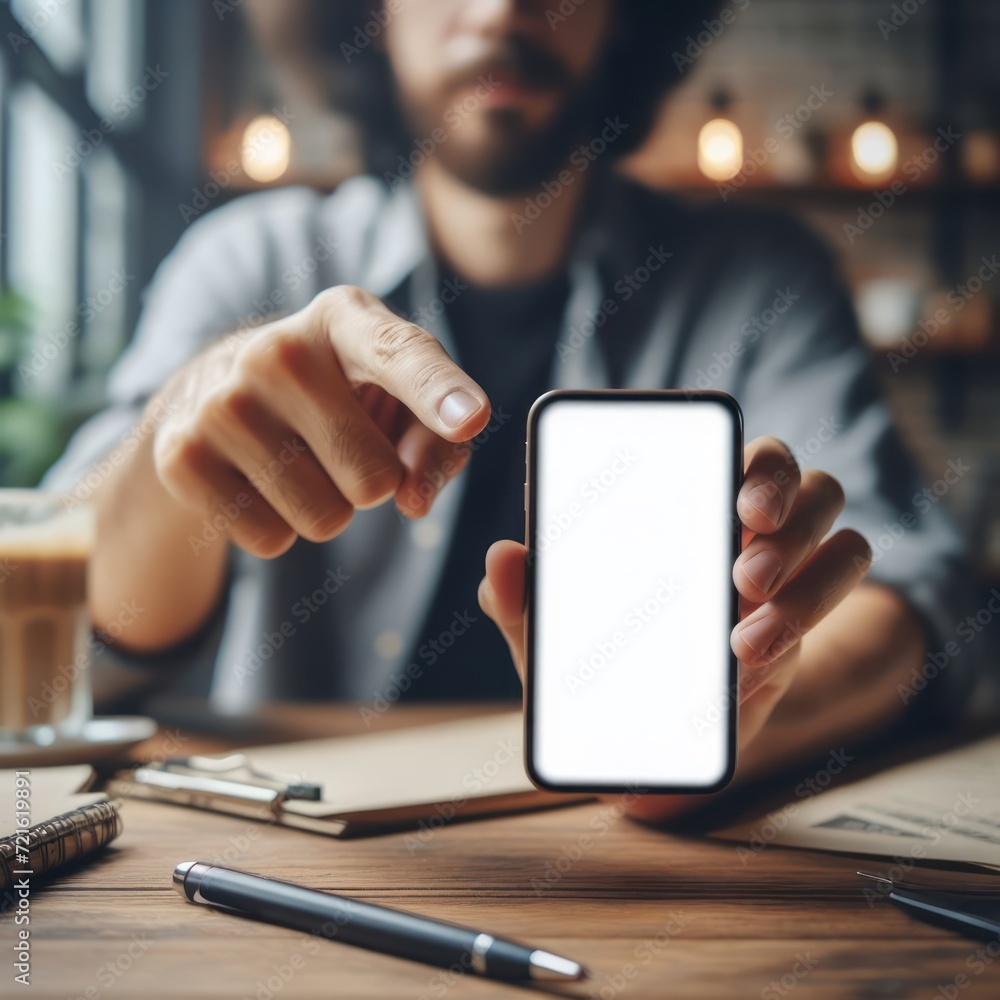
287,519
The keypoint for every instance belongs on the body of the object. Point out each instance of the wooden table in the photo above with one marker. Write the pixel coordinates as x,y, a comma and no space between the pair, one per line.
651,914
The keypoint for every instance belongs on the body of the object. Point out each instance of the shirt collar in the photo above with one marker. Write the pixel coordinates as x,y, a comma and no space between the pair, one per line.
398,244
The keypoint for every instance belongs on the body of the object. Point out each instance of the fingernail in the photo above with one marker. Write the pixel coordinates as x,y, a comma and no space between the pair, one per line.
760,635
766,499
457,407
762,569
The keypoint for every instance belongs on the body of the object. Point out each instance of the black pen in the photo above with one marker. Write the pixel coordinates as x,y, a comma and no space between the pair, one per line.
367,925
965,912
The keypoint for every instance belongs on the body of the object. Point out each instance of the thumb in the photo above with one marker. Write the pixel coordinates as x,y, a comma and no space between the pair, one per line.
501,595
374,345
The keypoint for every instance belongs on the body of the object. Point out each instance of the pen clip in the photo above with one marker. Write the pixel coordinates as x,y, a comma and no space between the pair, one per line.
877,878
241,798
288,787
893,885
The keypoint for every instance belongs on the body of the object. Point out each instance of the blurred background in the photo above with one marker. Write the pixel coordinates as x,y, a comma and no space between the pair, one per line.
123,121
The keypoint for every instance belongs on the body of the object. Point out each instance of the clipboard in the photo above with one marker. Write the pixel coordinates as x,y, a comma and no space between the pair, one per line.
358,785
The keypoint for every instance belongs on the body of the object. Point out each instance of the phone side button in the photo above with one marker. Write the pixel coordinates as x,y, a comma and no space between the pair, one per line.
527,541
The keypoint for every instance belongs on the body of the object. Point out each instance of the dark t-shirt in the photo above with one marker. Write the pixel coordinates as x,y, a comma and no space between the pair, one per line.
504,339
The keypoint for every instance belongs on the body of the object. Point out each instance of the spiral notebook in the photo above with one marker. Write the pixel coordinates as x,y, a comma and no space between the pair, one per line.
45,821
354,785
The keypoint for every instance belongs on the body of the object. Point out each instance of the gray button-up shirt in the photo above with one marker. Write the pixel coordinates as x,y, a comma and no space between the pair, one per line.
717,298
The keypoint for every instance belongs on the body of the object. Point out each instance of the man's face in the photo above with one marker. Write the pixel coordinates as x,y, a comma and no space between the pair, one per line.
510,92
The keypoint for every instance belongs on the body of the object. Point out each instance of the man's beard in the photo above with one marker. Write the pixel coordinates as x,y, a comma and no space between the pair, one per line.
516,159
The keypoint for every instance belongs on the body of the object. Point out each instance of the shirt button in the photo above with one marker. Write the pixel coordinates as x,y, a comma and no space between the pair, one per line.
389,644
428,534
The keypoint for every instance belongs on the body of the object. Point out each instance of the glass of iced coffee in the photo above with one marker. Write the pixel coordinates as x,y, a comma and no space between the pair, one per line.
45,542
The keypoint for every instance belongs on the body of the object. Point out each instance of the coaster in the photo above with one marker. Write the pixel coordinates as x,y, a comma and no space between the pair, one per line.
98,740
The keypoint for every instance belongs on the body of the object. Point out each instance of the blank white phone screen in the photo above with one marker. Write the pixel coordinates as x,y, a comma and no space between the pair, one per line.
633,539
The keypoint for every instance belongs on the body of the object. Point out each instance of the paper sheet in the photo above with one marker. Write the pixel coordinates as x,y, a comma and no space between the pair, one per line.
52,792
941,808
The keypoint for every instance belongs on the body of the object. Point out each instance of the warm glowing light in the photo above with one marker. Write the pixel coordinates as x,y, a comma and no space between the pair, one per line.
874,150
720,149
267,148
981,155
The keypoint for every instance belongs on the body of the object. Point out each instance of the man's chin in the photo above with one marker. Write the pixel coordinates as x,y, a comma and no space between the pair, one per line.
506,169
503,156
497,179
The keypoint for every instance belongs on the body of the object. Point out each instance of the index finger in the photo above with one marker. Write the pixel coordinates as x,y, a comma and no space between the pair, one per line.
770,484
376,346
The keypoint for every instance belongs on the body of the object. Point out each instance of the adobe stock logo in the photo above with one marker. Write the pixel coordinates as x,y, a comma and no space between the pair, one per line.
562,521
580,160
588,667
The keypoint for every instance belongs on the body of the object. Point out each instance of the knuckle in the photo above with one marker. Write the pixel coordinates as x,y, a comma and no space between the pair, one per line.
375,481
251,355
334,426
227,405
373,474
337,305
289,351
319,522
334,520
282,352
394,338
347,446
240,406
430,372
335,299
181,465
177,454
265,543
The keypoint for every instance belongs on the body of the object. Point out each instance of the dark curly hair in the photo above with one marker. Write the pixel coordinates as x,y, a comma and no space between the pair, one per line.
640,67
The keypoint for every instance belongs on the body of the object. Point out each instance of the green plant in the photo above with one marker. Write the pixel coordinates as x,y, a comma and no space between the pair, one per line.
30,432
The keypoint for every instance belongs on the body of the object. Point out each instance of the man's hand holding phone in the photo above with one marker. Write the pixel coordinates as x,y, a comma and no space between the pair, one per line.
789,576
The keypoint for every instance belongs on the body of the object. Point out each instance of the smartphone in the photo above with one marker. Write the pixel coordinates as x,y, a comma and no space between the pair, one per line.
632,534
